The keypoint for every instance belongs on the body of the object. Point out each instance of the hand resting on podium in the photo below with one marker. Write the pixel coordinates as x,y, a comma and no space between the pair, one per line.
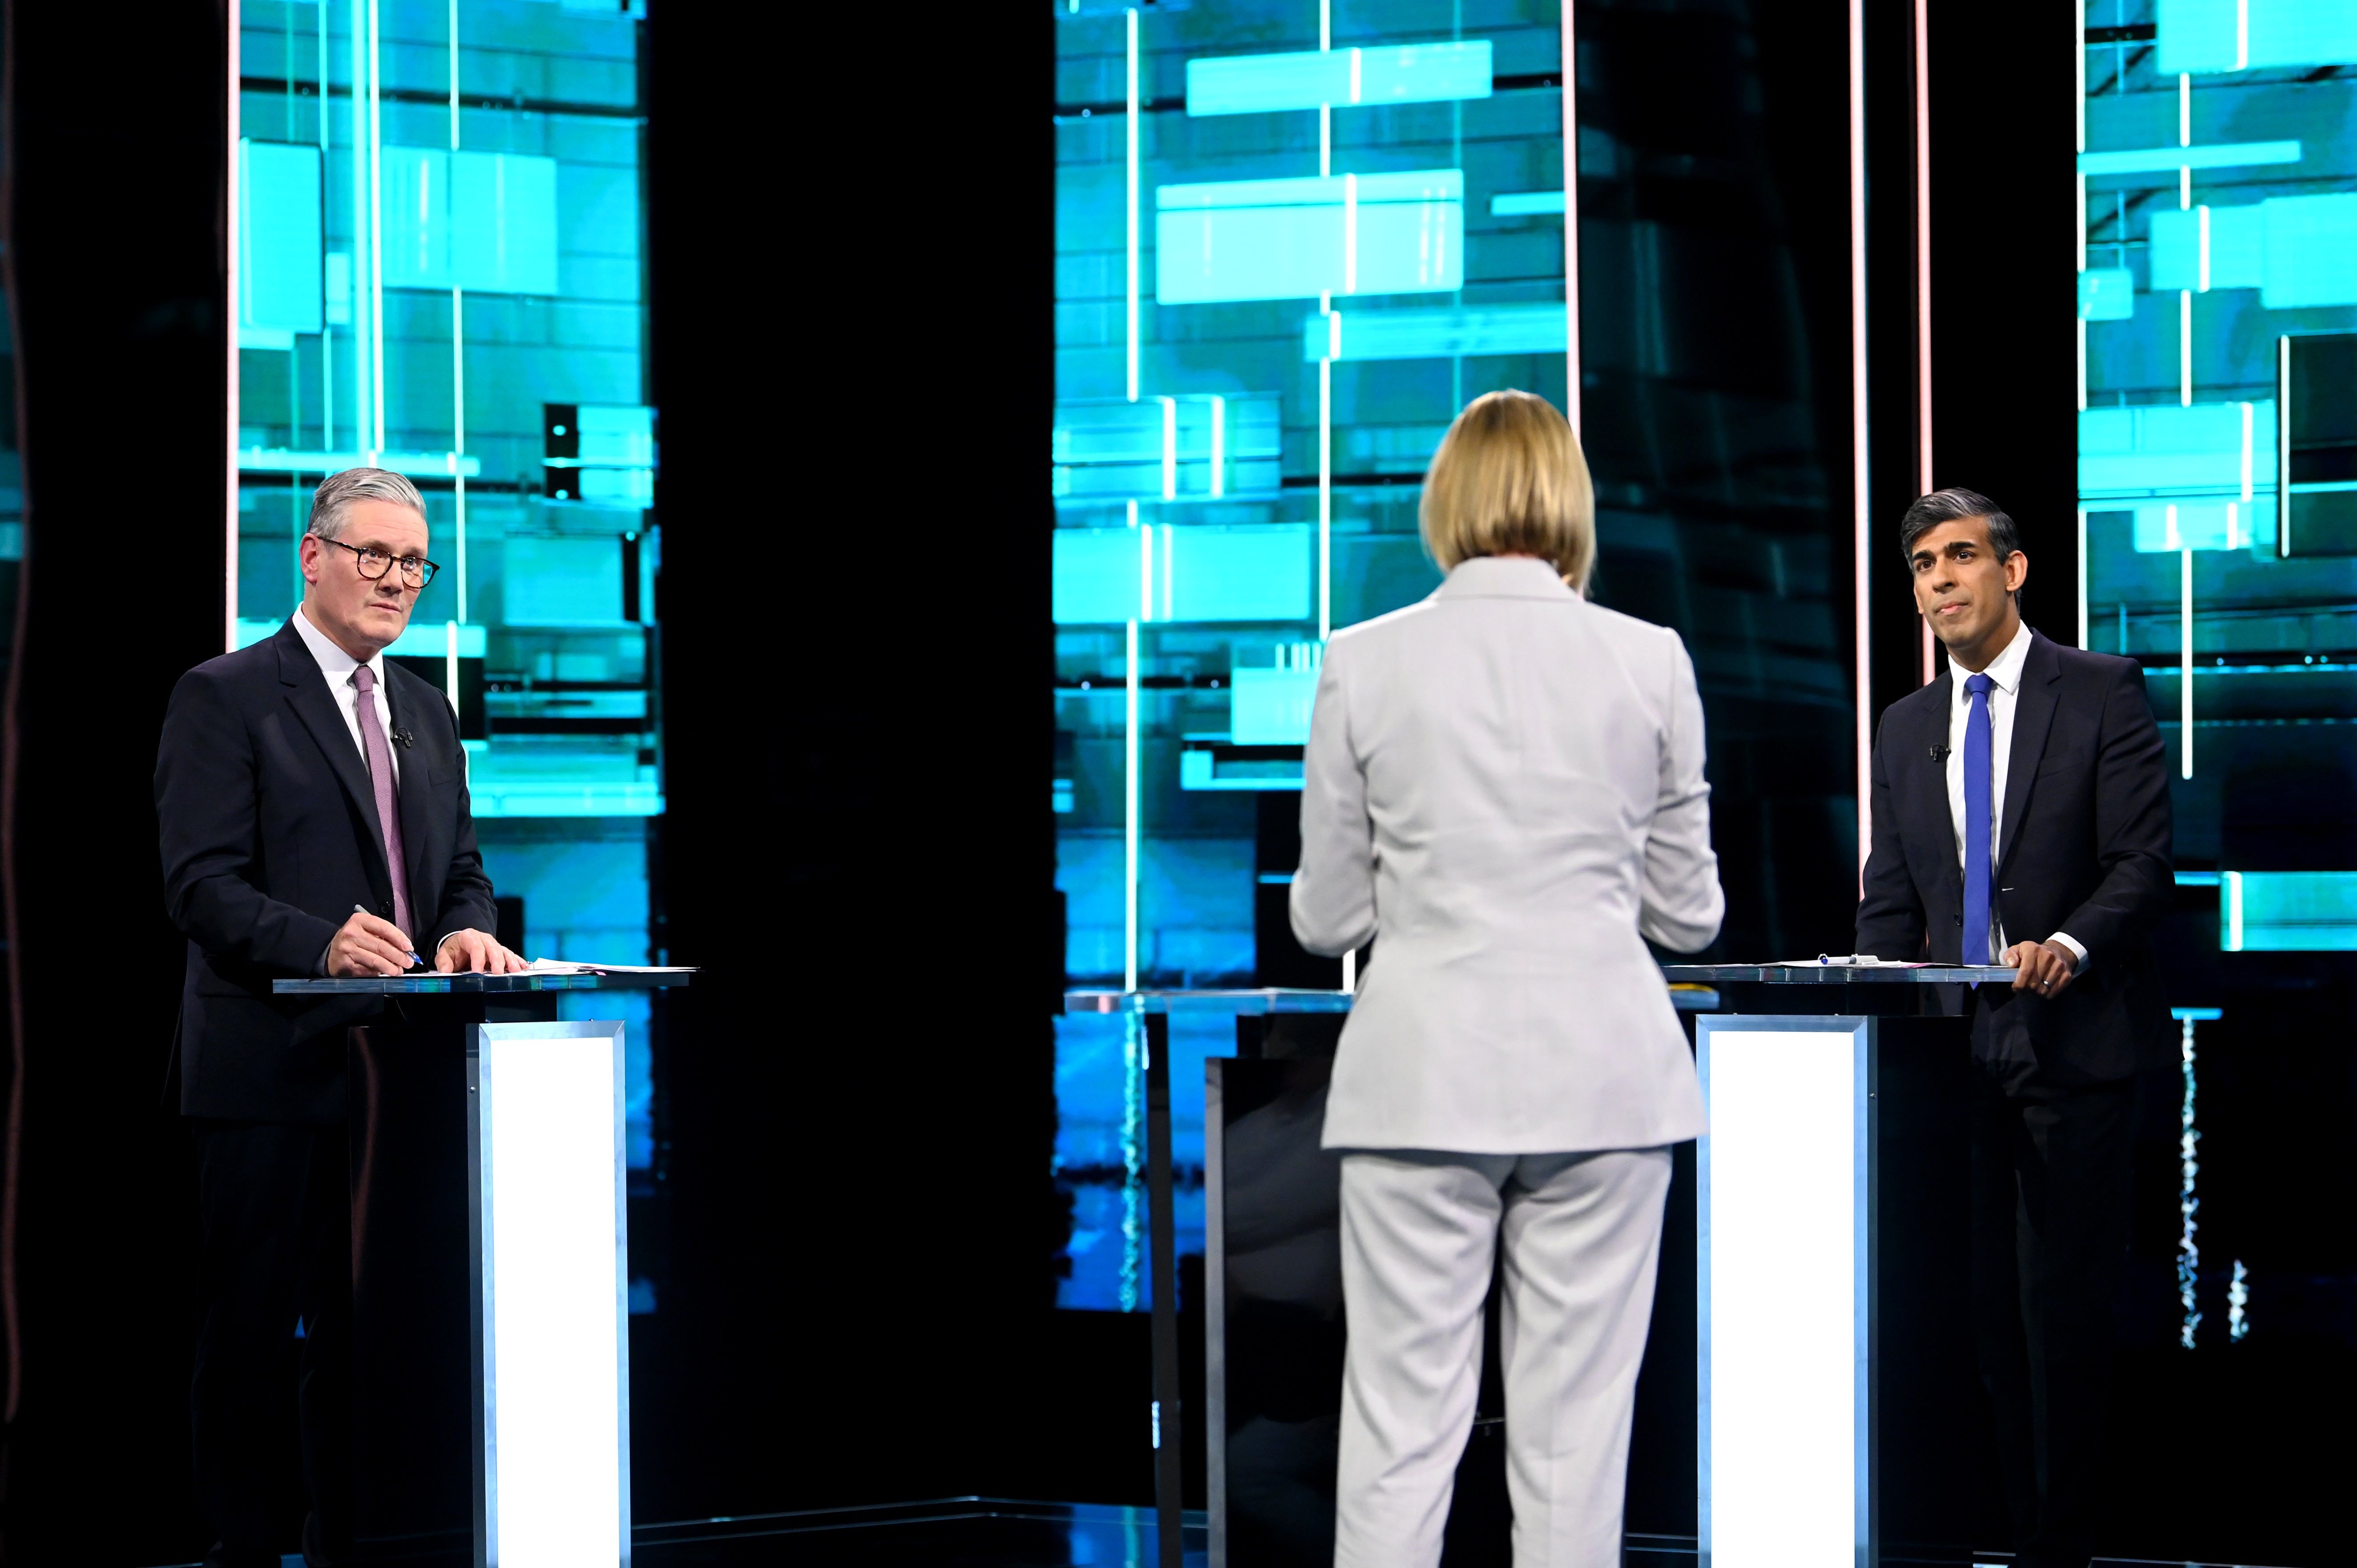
366,946
2046,967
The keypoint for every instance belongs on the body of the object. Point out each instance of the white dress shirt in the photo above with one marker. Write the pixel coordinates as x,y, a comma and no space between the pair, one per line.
337,666
2005,669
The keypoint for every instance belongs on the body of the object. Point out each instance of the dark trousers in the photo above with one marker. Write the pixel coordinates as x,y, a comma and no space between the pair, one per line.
2050,1168
276,1211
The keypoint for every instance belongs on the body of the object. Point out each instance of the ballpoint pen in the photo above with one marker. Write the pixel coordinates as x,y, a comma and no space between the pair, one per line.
414,958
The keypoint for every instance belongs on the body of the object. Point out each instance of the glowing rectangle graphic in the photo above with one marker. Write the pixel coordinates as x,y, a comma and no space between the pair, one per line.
2298,250
1271,707
1250,573
2168,160
2197,478
2287,911
481,222
1296,239
1525,203
552,1297
1436,334
279,276
1395,74
2106,293
2198,36
1192,446
1782,1205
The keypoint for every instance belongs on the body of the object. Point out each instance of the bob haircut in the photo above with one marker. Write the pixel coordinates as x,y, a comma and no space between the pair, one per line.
1509,479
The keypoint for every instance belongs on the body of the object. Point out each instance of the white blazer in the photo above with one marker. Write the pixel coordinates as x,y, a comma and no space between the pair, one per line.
1506,783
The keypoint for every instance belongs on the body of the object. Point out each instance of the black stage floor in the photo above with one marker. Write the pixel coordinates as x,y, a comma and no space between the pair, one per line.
992,1532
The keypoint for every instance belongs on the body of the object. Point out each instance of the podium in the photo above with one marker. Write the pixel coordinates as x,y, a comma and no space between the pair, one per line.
1836,1416
1839,1413
491,1290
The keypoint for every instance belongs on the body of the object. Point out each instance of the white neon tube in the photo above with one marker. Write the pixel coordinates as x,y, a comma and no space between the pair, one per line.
376,241
1568,72
1861,513
1131,206
1129,789
2185,658
1324,499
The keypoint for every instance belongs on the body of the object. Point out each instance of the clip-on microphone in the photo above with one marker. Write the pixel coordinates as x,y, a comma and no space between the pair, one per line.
406,738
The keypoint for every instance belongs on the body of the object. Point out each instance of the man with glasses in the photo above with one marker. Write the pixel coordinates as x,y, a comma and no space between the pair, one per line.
312,801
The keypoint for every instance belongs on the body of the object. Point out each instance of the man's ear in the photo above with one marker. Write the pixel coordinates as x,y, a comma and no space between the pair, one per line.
2017,571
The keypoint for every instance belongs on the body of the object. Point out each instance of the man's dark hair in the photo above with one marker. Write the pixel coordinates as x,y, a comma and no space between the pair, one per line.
1929,512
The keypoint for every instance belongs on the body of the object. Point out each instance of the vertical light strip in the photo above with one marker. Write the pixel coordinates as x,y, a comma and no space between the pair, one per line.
1325,110
1354,76
376,241
2283,445
1130,760
2185,657
1131,206
359,23
457,386
236,279
1220,446
450,666
1569,72
1169,569
2185,347
1324,499
327,333
1350,233
1169,447
1861,511
1350,972
2248,421
2083,580
2202,214
2233,880
1922,85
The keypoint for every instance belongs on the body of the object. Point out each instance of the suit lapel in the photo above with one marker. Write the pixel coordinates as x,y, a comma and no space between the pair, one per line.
306,692
417,786
2033,715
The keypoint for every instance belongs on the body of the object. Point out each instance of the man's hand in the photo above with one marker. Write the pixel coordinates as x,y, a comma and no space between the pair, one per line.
2046,967
365,946
475,952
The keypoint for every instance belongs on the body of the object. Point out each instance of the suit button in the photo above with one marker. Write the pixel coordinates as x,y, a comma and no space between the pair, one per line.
1960,920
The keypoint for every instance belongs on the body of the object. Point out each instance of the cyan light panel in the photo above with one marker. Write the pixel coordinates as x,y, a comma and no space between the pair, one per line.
2287,911
1191,446
2204,36
2311,251
2167,160
563,580
1399,73
279,286
1271,707
2106,293
2206,525
1098,575
2203,248
1252,573
481,222
1295,239
1436,334
1248,573
2160,452
1525,203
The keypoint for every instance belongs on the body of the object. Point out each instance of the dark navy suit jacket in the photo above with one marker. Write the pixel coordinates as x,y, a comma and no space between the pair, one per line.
2082,847
270,836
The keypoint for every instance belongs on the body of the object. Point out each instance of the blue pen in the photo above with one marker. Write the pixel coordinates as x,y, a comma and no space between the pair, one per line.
414,961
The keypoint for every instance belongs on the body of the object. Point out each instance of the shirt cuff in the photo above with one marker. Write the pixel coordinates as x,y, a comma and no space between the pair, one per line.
2078,953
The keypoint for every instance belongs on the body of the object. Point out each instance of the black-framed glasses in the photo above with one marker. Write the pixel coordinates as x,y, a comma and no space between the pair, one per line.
416,570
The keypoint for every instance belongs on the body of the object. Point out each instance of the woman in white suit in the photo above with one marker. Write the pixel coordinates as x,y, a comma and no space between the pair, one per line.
1505,784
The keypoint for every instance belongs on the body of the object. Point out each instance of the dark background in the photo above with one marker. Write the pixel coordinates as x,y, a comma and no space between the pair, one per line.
857,1232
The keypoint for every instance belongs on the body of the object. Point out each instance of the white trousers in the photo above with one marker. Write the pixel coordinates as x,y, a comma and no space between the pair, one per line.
1581,1239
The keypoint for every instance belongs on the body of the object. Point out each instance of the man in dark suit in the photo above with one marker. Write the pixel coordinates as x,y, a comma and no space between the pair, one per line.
2021,816
313,808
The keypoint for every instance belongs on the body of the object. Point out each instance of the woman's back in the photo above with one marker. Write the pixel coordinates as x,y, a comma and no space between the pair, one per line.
1505,783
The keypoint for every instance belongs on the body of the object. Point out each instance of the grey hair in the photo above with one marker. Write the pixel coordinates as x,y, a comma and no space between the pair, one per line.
1929,512
337,493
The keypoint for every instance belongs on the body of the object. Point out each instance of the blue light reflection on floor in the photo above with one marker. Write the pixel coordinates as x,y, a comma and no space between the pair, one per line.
1090,1155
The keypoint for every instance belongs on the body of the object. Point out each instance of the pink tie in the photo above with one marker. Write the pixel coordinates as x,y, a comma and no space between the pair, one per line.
388,813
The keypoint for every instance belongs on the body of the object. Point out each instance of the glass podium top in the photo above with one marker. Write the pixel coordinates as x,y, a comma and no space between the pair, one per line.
1836,973
479,984
1690,988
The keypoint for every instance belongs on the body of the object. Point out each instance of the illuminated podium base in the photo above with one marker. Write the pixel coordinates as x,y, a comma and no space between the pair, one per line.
490,1327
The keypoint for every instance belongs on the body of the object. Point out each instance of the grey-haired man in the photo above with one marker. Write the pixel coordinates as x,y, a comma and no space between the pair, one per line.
314,817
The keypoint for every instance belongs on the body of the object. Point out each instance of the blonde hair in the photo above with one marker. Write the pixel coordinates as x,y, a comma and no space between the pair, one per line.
1509,479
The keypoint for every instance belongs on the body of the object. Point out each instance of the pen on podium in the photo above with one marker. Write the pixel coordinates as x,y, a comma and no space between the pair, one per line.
414,958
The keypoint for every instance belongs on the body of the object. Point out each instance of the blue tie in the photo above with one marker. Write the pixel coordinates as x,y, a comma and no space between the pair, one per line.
1976,820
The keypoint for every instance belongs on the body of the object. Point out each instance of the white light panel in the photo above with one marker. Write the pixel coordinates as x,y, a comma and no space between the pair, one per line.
554,1296
1783,1348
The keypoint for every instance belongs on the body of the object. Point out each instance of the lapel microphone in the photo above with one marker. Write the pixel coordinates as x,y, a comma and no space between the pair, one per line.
1939,753
406,737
